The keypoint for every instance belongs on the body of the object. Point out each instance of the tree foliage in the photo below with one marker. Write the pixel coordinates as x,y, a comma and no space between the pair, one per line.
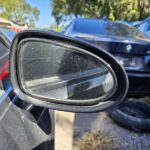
111,9
19,11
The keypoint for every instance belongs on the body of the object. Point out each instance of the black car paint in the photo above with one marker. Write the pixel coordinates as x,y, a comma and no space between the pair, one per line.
139,79
23,126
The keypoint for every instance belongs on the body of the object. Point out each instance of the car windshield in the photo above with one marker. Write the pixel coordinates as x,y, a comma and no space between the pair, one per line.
106,28
8,33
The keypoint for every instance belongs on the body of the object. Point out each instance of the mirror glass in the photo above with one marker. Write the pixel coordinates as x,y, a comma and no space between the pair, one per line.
53,70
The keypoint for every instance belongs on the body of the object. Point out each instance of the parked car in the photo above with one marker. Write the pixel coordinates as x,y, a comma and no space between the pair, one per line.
128,45
23,126
144,26
12,25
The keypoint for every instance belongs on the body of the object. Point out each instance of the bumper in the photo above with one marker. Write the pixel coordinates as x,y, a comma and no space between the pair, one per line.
139,84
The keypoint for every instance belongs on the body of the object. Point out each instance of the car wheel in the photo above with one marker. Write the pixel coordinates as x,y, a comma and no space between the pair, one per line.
134,115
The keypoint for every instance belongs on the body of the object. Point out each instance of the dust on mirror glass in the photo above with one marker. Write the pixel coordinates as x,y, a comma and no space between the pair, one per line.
56,71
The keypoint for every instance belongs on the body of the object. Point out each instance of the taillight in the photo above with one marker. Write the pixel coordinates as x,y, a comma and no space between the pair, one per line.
4,70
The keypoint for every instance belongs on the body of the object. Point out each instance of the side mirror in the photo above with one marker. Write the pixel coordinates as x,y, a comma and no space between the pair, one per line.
58,72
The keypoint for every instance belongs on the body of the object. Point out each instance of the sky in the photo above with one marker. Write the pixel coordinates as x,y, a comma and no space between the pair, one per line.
45,19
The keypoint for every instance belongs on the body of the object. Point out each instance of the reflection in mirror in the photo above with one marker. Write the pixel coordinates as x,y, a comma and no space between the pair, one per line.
62,72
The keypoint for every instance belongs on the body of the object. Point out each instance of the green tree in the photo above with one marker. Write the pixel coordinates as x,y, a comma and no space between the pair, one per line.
19,11
112,9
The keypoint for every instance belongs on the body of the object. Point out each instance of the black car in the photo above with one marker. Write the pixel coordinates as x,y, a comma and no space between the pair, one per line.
128,45
23,126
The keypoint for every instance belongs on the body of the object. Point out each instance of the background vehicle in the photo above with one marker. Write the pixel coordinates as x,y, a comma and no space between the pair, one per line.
128,45
21,122
144,26
12,25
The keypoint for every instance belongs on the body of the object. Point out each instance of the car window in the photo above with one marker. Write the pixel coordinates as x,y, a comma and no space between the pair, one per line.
148,28
3,50
8,33
4,55
98,27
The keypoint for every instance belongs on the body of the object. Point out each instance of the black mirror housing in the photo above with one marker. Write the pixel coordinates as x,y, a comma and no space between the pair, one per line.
77,87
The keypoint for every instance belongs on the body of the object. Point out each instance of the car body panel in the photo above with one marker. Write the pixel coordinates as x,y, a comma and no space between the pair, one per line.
18,128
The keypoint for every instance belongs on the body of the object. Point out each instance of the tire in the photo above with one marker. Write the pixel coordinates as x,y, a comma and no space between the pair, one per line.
133,115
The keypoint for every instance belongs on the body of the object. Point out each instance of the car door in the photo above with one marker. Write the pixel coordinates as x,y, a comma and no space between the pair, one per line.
22,125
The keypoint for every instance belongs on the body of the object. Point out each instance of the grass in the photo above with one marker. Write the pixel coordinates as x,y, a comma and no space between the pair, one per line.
95,141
